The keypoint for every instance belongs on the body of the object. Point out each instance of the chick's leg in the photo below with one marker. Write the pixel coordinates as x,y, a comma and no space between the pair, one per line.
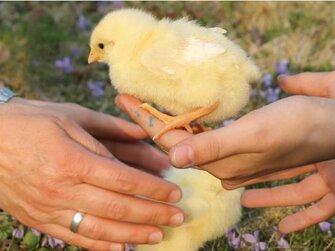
180,121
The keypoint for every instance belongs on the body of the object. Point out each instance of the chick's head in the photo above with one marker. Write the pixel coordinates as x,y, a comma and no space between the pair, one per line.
118,33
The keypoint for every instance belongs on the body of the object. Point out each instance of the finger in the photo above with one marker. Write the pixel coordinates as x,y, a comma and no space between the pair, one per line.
98,124
111,174
138,154
152,126
280,175
114,206
82,137
327,171
310,189
105,126
217,144
63,233
97,228
321,211
311,84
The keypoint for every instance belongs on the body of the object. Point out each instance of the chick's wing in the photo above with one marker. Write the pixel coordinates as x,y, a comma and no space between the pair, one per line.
173,55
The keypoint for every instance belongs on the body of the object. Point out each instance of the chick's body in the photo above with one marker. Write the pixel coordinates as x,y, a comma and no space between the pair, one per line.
180,66
177,65
210,211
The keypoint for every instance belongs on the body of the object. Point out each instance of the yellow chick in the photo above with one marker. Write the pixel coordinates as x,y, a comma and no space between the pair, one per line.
194,73
210,211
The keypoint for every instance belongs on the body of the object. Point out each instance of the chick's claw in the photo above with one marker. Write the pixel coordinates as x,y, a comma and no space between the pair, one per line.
180,121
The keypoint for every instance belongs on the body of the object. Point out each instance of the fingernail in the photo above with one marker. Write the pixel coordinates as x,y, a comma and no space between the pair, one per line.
116,247
175,196
176,220
183,156
155,237
282,76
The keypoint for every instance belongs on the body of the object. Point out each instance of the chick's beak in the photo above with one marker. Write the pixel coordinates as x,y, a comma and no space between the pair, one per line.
93,57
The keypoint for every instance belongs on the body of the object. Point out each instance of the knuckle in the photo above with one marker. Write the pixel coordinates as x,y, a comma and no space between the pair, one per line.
48,189
155,218
125,182
214,147
116,210
65,159
60,118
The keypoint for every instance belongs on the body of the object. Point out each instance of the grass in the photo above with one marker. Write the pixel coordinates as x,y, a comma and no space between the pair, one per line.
34,35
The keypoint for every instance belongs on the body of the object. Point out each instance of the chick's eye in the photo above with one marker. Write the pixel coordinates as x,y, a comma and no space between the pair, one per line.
101,46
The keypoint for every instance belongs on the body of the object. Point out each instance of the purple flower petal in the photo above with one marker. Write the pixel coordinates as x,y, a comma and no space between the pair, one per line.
51,242
83,23
44,241
249,238
282,243
64,64
282,67
262,245
234,240
59,243
273,94
36,232
76,52
256,234
267,79
325,226
18,233
96,88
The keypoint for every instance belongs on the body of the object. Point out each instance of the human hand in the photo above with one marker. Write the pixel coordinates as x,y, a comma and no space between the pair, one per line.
318,188
271,142
51,166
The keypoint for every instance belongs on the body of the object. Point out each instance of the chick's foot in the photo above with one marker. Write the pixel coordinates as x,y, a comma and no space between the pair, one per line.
180,121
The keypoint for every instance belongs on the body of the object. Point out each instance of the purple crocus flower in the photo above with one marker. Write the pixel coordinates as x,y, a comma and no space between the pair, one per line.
64,64
272,95
97,88
325,226
234,240
267,79
36,232
18,233
253,239
282,67
76,52
52,242
282,243
83,23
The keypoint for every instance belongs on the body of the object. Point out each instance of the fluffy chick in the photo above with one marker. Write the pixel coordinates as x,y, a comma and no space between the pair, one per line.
210,211
193,72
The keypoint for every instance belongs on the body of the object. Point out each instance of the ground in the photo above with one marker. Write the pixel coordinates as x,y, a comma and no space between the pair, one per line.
43,55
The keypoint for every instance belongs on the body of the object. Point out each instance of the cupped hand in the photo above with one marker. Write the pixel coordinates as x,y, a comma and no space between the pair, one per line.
272,141
52,165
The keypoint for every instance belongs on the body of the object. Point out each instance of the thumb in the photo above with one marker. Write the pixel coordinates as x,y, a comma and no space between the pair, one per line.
321,84
216,144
